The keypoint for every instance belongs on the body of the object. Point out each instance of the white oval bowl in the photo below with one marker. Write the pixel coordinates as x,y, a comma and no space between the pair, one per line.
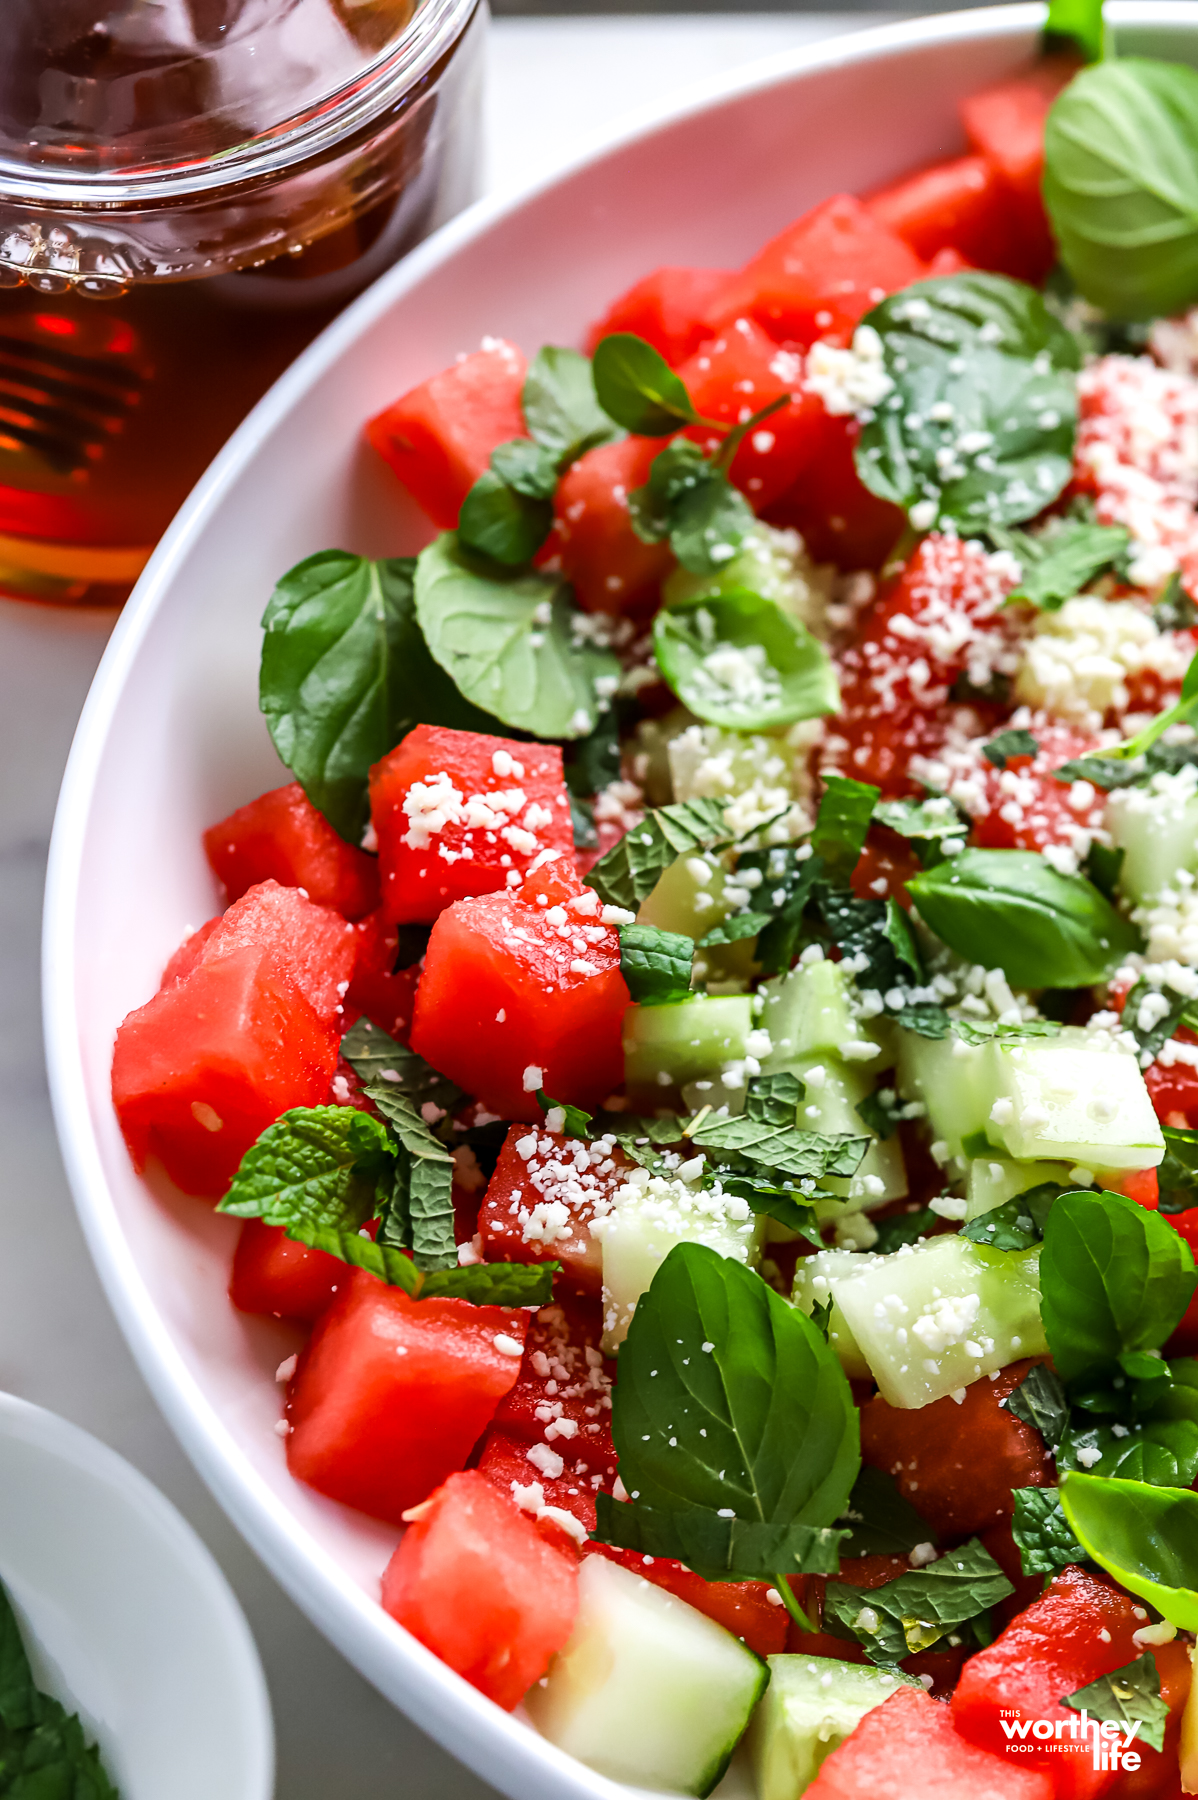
127,1618
171,738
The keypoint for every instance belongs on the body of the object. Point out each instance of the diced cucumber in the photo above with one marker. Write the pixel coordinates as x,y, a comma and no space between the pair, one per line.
990,1181
952,1079
648,1690
808,1012
810,1706
770,562
1156,827
651,1214
690,898
834,1090
668,1047
817,1280
930,1319
1062,1099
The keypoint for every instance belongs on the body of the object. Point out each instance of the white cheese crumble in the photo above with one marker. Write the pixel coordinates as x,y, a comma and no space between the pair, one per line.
1078,661
849,381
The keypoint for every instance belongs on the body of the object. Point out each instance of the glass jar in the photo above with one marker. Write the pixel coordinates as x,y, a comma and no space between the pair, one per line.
189,191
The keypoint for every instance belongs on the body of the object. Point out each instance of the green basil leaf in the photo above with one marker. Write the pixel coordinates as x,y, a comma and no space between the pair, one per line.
915,1611
561,409
1018,1223
345,673
656,965
978,428
1009,909
738,660
1081,23
18,1691
1145,1536
1174,610
637,388
43,1751
1059,562
315,1163
1102,866
1042,1533
375,1057
933,827
506,641
1128,1696
904,1228
1161,1451
631,870
575,1122
880,1520
1113,1277
1121,185
1040,1401
785,1149
503,521
1177,1175
730,1401
719,1549
1007,744
842,823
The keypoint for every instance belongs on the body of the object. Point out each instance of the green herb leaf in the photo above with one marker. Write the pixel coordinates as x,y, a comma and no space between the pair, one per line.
44,1754
689,500
730,1402
1058,562
925,1019
735,929
719,1549
981,1031
375,1057
933,827
18,1690
1174,610
1009,909
1007,744
1081,23
419,1212
1041,1531
873,935
788,884
656,965
1177,1175
915,1611
842,823
1129,1696
784,1149
1157,1027
774,1099
506,641
904,1228
1040,1401
1018,1223
509,510
1113,1278
1121,185
978,428
345,674
1145,1536
880,1520
320,1164
637,388
1163,1451
883,1112
1102,866
561,409
492,1284
575,1122
631,870
771,1198
739,660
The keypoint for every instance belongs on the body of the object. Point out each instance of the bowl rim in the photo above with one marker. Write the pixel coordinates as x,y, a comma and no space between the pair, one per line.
61,1442
499,1747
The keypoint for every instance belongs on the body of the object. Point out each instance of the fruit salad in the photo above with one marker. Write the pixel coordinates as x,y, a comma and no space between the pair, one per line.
705,1047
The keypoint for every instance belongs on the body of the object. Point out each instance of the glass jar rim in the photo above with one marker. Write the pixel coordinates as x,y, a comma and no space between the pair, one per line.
314,130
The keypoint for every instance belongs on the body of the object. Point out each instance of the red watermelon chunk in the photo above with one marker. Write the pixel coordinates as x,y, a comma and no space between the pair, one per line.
438,438
281,837
544,1193
907,1749
962,205
562,1396
1005,124
377,988
561,1504
731,377
522,991
475,1581
246,1032
592,541
275,1275
392,1394
666,309
458,813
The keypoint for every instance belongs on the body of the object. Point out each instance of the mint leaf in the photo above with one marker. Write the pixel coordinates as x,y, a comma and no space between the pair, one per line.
561,408
1174,610
1040,1401
914,1612
904,1228
783,1149
730,1402
1113,1278
981,1031
880,1521
493,1284
1145,1536
1059,562
375,1057
345,673
719,1549
736,929
656,965
1178,1173
43,1751
842,823
631,870
788,884
741,661
1159,1026
689,500
1041,1532
1129,1696
883,1112
575,1122
774,1098
1009,909
419,1211
769,1197
637,388
18,1691
933,827
1007,744
506,641
1018,1223
316,1164
872,935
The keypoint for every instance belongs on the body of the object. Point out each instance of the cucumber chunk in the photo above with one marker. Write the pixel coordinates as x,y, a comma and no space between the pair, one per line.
952,1079
1156,827
808,1012
650,1215
648,1690
991,1181
666,1048
1062,1099
690,898
834,1091
817,1280
930,1319
811,1706
771,562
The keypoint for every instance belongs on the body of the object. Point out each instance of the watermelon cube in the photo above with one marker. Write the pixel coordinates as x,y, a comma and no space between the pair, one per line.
962,205
592,541
544,1193
281,837
1005,124
666,309
377,988
732,376
458,813
275,1275
907,1748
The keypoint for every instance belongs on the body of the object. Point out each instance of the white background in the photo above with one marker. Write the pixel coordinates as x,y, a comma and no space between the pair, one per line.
554,82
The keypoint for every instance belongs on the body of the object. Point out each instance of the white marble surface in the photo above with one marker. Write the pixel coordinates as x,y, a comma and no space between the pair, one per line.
555,82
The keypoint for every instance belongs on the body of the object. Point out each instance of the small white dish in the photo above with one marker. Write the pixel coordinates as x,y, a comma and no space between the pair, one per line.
127,1618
